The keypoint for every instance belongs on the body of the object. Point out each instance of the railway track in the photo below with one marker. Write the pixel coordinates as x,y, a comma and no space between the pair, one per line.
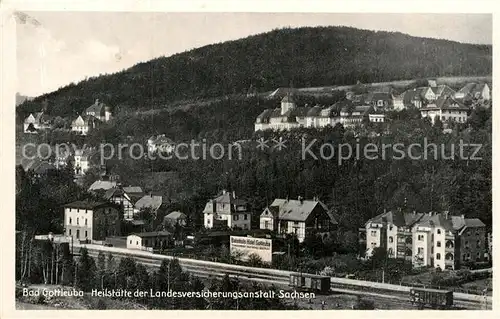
387,294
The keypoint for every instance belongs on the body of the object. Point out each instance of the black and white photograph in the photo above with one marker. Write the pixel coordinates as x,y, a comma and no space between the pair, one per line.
251,160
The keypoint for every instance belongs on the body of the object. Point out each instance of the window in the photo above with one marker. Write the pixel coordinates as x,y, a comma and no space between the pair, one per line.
438,256
85,234
373,233
390,227
70,232
438,244
208,221
449,256
439,231
77,221
420,250
85,221
266,224
373,244
131,242
70,220
235,217
391,239
137,243
245,217
78,234
420,237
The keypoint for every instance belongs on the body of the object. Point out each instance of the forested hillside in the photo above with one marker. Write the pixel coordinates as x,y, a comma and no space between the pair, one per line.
302,57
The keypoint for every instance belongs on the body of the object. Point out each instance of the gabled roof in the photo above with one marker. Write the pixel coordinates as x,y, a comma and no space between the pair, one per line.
97,108
296,210
39,117
175,215
87,204
314,111
447,103
282,92
133,190
152,234
113,192
398,218
88,120
472,88
105,185
386,96
443,90
149,201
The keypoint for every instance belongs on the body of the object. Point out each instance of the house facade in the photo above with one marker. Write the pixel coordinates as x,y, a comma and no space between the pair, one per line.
149,240
475,91
100,111
36,122
87,220
85,159
299,217
427,239
447,110
227,210
83,124
160,143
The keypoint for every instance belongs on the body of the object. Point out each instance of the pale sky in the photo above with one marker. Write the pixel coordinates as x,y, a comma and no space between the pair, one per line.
57,48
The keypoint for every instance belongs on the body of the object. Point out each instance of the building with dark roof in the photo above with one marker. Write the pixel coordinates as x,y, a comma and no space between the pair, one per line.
99,110
36,122
446,109
427,239
91,220
149,240
83,124
227,210
475,91
300,217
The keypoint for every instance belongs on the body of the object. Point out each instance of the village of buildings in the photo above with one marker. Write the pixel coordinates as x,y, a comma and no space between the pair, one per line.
437,239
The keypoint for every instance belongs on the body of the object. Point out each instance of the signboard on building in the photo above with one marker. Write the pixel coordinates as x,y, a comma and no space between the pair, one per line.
243,247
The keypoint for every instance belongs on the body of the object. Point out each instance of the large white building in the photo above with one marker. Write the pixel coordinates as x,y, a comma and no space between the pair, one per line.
445,109
427,239
88,220
289,116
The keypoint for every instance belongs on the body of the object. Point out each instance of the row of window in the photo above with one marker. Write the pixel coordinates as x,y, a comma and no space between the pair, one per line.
77,221
237,217
454,118
78,234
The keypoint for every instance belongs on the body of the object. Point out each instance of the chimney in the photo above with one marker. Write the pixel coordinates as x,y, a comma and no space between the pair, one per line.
96,101
223,192
430,213
446,214
463,216
234,194
301,199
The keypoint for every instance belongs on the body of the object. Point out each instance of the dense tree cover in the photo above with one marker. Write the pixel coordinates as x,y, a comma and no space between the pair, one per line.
304,57
357,188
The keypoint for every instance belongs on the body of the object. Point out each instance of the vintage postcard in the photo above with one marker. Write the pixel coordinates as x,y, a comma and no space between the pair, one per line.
209,159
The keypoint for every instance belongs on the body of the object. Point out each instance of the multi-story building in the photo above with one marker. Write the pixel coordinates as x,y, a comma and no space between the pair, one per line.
85,159
100,111
428,239
83,124
475,91
351,117
88,220
36,122
227,210
300,217
445,109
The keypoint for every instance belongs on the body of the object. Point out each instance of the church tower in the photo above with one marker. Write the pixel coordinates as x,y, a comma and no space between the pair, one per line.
287,103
